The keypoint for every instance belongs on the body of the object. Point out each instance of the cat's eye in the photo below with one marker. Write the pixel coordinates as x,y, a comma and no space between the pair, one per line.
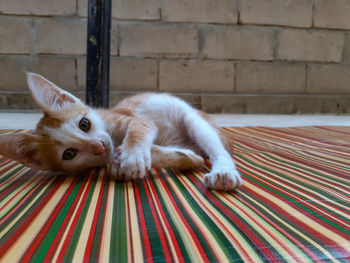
84,125
69,154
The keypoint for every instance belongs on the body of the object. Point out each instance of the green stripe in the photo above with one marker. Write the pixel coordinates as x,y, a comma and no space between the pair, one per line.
331,176
220,237
187,217
259,249
119,240
250,224
6,175
286,225
45,244
156,245
172,223
100,222
29,212
290,199
77,230
301,174
24,195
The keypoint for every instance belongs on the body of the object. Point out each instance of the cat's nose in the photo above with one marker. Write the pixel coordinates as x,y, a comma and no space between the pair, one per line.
98,148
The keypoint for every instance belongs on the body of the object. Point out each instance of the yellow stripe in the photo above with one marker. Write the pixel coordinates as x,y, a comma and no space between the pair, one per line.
188,243
315,173
5,205
74,214
86,229
28,207
204,230
291,146
337,239
12,178
162,221
26,239
286,225
235,238
127,221
21,190
275,166
107,225
276,239
136,244
291,190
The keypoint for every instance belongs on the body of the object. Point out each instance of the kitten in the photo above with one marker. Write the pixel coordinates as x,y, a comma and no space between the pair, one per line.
143,131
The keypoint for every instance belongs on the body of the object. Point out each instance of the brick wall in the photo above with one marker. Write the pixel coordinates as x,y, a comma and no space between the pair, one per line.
240,56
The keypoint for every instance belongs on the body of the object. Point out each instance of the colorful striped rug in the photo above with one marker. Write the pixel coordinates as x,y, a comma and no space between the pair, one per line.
294,206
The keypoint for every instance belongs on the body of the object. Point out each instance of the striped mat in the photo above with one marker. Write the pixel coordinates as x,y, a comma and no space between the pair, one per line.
293,207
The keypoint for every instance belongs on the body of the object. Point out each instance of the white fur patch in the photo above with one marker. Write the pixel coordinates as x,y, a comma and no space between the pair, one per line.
169,112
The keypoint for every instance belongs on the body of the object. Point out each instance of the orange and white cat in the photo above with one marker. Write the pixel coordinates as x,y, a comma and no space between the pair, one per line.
143,131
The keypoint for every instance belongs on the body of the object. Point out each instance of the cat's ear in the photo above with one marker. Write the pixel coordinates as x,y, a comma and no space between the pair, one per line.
22,147
47,95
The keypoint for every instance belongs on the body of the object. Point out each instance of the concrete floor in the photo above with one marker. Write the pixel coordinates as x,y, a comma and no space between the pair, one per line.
28,120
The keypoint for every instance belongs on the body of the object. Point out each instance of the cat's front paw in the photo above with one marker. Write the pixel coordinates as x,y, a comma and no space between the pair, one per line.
131,164
223,179
113,167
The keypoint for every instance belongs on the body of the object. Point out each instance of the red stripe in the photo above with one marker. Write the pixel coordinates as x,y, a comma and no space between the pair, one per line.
18,193
281,210
287,201
42,233
174,240
15,184
282,149
6,161
308,141
309,193
309,176
277,227
143,227
299,224
199,185
91,237
61,230
162,236
12,165
255,241
27,198
332,130
76,218
26,222
184,221
301,160
106,180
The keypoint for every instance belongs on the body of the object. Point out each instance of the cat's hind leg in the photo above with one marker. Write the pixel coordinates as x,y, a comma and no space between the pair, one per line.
162,157
175,157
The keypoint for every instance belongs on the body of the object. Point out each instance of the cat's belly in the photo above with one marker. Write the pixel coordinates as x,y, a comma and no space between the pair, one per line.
167,112
170,136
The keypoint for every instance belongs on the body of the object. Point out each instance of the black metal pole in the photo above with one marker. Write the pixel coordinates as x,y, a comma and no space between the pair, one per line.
98,52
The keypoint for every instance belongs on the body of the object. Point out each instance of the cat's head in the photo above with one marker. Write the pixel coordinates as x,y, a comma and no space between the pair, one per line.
69,137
